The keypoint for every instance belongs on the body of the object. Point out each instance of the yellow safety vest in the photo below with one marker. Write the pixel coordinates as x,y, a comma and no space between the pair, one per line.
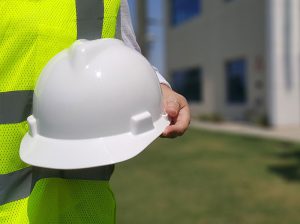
31,33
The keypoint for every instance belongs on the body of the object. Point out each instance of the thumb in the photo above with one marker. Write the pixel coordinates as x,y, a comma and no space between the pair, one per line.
172,107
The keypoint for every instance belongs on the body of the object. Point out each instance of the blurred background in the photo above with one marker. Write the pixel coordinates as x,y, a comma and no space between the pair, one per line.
237,63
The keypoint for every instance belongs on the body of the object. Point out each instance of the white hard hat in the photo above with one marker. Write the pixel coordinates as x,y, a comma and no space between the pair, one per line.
96,103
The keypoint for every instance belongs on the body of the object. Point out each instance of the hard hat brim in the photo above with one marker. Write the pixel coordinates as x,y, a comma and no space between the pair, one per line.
87,153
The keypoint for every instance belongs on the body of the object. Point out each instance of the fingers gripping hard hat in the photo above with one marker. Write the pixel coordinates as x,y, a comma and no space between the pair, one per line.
96,103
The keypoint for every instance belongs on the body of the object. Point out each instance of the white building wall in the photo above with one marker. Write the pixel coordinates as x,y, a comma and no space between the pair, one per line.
224,31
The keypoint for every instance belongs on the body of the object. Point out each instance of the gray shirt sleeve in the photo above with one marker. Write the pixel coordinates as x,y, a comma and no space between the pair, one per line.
128,35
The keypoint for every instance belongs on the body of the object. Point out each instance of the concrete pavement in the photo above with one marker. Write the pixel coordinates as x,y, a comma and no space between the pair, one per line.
291,133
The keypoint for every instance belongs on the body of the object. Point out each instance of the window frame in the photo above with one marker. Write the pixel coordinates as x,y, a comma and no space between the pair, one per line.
199,97
174,23
228,99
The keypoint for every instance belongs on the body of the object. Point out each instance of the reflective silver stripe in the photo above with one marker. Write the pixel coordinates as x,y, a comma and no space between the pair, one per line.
118,28
90,15
97,173
18,185
15,106
15,186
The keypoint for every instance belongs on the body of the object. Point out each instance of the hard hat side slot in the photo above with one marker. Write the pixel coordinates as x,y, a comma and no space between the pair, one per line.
32,126
141,123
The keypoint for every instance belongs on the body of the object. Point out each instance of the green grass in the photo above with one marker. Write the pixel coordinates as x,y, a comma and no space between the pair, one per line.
210,178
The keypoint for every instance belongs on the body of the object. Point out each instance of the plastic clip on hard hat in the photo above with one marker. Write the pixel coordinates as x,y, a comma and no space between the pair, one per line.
96,103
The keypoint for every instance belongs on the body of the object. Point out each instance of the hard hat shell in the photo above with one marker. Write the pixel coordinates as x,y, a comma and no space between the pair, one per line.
97,103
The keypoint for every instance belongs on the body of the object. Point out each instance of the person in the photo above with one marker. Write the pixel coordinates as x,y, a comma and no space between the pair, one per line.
32,32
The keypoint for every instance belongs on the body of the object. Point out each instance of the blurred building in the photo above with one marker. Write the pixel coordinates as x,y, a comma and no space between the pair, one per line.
236,59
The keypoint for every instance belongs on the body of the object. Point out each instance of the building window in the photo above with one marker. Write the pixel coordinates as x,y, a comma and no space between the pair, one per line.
183,10
236,81
188,83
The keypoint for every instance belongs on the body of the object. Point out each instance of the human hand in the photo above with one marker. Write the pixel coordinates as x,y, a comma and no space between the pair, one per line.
178,111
